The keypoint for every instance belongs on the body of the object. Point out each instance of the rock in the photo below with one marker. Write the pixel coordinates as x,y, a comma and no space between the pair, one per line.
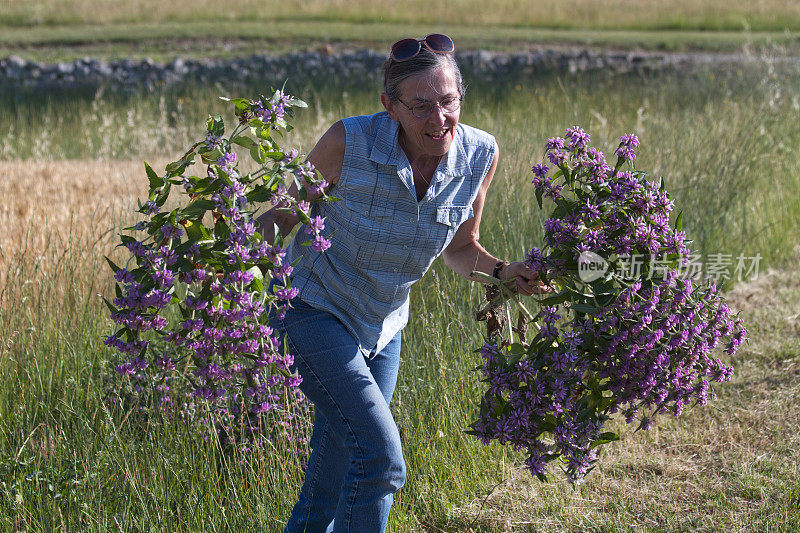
324,63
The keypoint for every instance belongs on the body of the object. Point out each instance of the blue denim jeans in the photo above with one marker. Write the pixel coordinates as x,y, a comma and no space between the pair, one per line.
356,463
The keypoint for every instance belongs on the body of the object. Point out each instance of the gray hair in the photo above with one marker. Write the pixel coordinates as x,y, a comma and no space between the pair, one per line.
394,72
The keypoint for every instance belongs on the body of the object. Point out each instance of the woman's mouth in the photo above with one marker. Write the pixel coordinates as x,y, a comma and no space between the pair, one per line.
438,135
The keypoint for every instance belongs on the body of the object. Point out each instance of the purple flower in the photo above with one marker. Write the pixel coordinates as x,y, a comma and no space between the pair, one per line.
557,157
171,232
316,225
626,147
123,276
320,244
577,138
554,143
646,342
286,294
291,156
534,259
150,207
303,206
212,141
540,171
226,161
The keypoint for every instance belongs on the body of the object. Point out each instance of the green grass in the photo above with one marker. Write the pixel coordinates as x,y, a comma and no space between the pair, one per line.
60,30
167,40
726,144
703,15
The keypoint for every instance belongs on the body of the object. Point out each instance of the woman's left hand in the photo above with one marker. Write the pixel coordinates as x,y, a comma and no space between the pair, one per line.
526,281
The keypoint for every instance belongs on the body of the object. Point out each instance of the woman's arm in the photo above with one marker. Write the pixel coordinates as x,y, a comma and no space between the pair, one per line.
326,156
465,254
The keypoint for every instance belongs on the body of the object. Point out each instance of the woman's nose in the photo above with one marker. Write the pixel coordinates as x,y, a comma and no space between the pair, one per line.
437,114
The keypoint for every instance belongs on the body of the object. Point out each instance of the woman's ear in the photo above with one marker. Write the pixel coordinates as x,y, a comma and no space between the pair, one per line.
389,106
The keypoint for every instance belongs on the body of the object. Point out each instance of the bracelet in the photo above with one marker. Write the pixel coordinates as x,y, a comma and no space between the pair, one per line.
498,267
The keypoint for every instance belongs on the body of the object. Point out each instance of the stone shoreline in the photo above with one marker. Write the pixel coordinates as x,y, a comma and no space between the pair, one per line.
130,75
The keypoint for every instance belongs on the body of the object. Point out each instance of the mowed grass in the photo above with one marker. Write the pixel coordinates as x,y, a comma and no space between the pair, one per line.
165,41
61,30
726,146
618,14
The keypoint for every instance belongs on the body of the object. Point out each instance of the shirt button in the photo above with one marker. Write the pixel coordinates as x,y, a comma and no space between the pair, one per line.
394,270
413,220
405,247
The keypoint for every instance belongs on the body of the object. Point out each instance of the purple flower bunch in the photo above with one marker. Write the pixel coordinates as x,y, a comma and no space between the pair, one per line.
192,303
608,344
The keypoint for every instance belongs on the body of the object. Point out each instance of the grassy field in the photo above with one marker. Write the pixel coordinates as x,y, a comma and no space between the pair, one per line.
58,30
619,14
164,41
726,142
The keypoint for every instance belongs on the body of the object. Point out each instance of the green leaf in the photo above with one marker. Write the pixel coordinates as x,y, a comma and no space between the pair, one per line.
221,230
259,194
259,154
196,232
161,198
604,438
197,209
177,167
585,308
303,217
556,299
585,414
679,222
256,271
206,294
302,193
155,180
215,185
296,102
243,141
516,352
604,404
257,285
539,197
275,155
215,125
110,306
113,266
211,156
517,349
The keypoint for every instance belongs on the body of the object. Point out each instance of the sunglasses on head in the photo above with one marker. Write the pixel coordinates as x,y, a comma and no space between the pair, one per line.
405,49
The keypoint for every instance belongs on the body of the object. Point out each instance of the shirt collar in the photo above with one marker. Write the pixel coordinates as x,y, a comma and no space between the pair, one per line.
386,151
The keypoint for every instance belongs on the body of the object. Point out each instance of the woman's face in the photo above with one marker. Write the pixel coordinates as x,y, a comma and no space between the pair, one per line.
430,136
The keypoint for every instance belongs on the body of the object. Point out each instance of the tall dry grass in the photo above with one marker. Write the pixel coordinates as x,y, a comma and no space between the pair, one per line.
611,14
55,200
52,208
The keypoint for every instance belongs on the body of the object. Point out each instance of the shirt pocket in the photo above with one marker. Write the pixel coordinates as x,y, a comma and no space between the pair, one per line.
451,217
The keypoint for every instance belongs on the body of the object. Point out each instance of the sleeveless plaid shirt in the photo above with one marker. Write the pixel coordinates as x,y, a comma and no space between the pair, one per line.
382,239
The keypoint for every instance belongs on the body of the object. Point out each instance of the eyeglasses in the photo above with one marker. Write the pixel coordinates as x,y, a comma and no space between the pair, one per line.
405,49
424,109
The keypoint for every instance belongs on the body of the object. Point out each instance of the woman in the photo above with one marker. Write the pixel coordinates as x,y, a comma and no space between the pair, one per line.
412,182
